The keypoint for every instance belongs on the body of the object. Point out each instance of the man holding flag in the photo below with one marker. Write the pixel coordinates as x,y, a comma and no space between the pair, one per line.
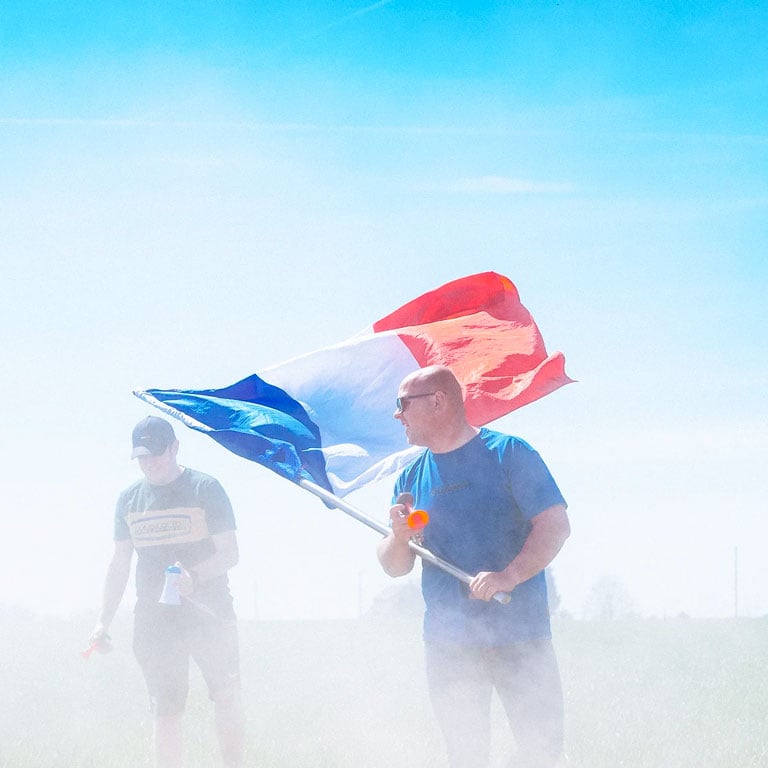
494,511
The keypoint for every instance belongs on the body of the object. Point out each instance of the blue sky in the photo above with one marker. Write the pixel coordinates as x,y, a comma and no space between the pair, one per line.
194,191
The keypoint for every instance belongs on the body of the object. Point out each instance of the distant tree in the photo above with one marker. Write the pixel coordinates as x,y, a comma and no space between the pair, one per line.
608,599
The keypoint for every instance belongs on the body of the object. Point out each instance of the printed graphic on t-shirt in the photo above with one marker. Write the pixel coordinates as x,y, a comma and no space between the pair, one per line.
180,525
441,490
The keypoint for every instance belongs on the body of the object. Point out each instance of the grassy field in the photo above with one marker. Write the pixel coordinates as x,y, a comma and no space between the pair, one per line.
643,694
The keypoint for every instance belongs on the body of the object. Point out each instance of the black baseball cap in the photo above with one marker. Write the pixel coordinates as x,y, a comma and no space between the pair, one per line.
152,435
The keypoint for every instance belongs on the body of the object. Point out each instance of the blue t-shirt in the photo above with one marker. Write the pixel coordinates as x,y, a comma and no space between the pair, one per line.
480,499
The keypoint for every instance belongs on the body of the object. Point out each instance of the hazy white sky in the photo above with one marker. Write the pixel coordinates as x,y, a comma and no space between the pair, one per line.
195,191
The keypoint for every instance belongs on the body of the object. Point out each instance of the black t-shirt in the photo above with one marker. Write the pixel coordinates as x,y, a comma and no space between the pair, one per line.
175,522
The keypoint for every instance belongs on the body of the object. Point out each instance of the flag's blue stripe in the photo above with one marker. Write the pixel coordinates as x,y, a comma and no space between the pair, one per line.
257,421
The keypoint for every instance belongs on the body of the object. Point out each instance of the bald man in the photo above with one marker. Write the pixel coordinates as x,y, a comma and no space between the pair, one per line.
494,511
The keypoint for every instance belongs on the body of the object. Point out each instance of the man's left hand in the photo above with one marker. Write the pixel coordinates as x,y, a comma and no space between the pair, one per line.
486,584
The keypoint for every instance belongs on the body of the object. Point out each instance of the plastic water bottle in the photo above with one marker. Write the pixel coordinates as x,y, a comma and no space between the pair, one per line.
171,595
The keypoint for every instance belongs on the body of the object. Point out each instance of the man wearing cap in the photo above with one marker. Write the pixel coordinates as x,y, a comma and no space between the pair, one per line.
177,516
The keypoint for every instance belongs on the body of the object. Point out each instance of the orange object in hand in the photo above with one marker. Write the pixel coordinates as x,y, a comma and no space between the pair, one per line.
417,519
86,652
103,645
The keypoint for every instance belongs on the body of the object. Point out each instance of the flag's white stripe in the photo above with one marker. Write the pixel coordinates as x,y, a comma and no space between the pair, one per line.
349,391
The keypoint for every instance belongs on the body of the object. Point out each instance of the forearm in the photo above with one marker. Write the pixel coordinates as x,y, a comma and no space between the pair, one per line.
545,540
395,556
531,561
225,556
114,588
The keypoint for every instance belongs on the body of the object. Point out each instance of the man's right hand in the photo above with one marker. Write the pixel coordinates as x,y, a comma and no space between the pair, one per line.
401,531
100,640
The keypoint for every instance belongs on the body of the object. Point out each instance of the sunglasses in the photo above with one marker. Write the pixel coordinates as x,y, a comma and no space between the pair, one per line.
402,402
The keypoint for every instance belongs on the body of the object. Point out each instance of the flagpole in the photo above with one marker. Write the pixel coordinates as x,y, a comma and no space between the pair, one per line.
384,530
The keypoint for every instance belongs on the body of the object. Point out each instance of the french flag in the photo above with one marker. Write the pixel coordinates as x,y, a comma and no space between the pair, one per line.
327,416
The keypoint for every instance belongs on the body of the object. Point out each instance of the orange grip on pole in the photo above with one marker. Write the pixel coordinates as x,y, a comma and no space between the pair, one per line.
417,519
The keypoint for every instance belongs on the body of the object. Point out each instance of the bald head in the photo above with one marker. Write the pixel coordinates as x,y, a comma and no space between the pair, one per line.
441,379
433,409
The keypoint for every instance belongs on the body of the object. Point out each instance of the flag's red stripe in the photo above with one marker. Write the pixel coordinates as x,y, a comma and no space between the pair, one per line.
488,291
477,327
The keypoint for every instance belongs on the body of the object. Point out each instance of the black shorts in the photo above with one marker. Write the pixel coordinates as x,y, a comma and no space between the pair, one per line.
165,637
